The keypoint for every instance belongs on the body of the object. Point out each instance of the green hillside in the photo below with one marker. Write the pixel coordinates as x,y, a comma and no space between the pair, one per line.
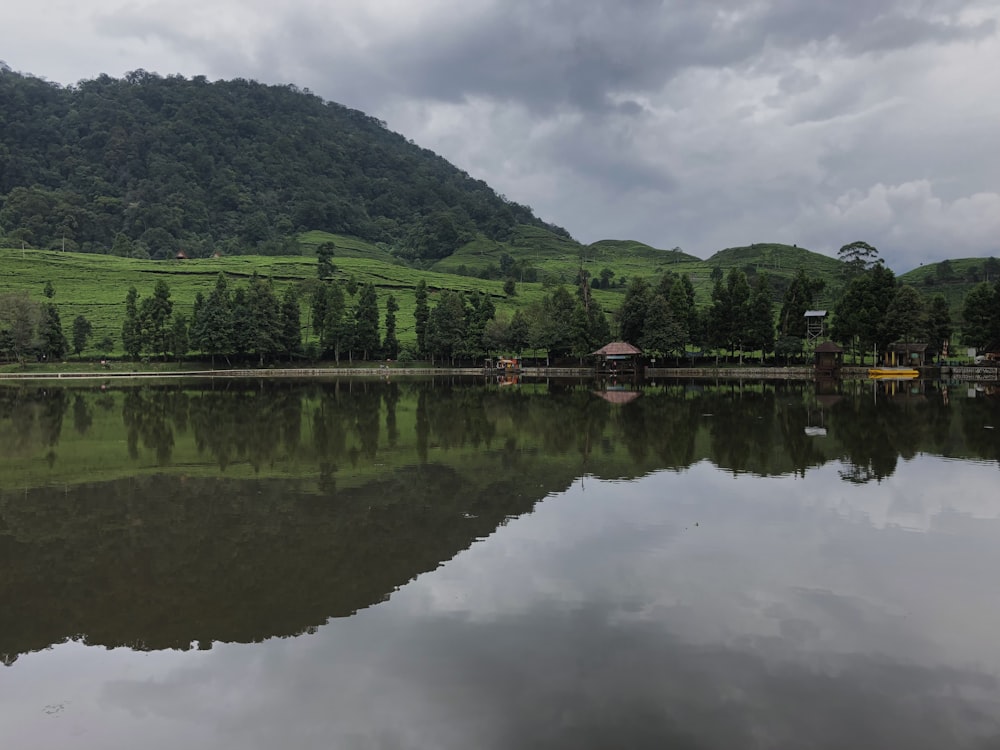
95,285
147,166
952,279
103,183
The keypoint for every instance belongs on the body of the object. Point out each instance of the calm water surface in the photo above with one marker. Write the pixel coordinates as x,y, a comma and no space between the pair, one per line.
453,565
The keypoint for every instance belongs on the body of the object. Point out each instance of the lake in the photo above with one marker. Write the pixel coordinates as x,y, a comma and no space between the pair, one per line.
460,563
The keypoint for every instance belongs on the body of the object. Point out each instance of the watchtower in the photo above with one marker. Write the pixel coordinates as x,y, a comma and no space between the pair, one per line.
815,324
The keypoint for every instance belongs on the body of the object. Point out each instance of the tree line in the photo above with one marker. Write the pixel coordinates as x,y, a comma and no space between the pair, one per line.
872,311
344,320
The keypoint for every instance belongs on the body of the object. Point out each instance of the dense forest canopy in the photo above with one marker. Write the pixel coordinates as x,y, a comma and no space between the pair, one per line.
151,164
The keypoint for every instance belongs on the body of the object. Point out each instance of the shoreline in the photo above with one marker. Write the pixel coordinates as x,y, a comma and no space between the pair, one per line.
964,374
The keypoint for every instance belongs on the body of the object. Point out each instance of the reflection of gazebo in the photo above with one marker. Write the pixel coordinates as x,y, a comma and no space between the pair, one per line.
829,358
618,356
618,397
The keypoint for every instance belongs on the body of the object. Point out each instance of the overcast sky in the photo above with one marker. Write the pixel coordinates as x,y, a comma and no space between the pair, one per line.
701,125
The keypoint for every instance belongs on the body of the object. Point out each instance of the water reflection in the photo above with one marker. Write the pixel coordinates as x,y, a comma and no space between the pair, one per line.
707,565
765,429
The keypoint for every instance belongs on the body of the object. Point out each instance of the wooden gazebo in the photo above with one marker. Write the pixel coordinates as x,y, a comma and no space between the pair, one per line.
617,357
829,358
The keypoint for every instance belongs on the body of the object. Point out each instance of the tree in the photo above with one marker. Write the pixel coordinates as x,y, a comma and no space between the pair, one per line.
337,324
390,344
325,268
122,246
598,327
939,327
553,324
52,339
437,235
858,257
446,326
663,332
19,318
496,337
904,317
479,312
179,340
583,287
520,332
760,317
216,325
859,317
196,332
509,287
319,307
992,269
81,333
507,265
260,319
421,315
682,302
979,315
290,337
632,315
787,347
366,321
131,328
729,314
49,291
154,319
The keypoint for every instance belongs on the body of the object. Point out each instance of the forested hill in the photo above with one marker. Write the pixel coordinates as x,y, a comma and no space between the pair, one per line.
151,164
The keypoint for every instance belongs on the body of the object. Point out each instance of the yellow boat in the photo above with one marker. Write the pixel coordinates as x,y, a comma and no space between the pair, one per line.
896,373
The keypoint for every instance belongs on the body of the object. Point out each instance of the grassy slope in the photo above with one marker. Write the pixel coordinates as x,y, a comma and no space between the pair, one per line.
95,285
560,258
925,280
784,260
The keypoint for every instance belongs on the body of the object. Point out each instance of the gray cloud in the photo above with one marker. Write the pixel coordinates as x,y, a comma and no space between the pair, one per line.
701,125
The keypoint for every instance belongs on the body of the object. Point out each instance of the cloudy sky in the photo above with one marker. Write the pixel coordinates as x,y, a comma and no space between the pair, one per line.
701,125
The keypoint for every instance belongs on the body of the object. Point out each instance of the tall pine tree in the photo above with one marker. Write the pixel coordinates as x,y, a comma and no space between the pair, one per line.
131,329
390,343
421,314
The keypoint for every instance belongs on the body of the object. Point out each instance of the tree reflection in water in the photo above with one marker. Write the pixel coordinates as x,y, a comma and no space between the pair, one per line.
241,511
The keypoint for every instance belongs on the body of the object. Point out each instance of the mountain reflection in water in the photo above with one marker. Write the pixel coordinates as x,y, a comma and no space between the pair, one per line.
707,565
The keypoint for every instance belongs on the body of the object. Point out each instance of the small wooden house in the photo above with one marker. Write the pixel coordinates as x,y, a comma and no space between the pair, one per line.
908,355
829,358
617,357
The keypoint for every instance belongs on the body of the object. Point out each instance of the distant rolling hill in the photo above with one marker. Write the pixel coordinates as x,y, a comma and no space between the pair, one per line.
149,165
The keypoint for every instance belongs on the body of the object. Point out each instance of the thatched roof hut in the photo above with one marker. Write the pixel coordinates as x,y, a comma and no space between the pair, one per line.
617,349
617,357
